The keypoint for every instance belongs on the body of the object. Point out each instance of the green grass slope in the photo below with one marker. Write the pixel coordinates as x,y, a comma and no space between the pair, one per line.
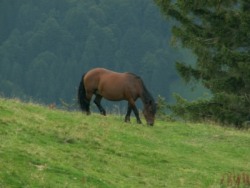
42,147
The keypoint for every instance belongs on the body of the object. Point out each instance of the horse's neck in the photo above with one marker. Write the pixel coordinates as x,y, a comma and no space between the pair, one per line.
145,96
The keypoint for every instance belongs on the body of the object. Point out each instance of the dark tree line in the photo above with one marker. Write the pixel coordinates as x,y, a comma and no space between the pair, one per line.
46,46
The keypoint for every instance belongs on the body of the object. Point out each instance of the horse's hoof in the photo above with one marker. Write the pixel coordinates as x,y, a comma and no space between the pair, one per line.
127,121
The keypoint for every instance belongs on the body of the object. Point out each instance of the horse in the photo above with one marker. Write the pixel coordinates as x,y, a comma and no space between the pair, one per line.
114,86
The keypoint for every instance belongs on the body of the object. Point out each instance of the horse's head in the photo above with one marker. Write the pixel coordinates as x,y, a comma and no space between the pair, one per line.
149,112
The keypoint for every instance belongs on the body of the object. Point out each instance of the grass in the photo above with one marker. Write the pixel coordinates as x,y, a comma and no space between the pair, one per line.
43,147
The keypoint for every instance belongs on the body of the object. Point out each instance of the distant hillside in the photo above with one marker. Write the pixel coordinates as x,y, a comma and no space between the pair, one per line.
46,46
45,147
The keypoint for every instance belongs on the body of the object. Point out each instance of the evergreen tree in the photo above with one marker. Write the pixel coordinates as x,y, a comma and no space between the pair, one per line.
218,33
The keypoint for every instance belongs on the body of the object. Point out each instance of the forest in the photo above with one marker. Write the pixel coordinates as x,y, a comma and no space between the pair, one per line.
46,46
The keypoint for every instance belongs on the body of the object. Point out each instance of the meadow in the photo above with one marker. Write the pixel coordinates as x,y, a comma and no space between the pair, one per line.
45,147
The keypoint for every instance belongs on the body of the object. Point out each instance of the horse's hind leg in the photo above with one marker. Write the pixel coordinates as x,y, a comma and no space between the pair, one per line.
97,101
88,99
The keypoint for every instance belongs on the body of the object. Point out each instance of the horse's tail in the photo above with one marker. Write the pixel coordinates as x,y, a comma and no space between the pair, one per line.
84,103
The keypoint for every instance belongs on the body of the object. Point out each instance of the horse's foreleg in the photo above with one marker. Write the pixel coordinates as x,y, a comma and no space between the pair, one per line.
97,101
127,117
136,114
133,107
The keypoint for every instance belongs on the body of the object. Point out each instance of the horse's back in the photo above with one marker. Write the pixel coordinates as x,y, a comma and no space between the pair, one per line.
96,72
103,75
112,85
92,77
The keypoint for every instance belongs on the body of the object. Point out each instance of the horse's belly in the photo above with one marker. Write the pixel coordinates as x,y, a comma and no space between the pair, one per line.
112,95
113,92
116,87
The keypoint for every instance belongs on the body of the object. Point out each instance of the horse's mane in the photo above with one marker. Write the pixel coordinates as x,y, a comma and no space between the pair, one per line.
134,75
146,96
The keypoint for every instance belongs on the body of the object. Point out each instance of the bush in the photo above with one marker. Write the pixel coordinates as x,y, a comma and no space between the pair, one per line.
162,108
223,108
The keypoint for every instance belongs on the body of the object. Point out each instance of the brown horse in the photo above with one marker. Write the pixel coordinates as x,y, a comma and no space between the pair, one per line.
116,86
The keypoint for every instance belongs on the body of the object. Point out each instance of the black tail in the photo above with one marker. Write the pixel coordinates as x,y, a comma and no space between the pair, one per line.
84,103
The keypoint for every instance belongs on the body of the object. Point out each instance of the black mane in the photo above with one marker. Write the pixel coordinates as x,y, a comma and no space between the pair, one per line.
146,95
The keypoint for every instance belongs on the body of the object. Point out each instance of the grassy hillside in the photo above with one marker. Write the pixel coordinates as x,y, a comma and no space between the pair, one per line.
43,147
